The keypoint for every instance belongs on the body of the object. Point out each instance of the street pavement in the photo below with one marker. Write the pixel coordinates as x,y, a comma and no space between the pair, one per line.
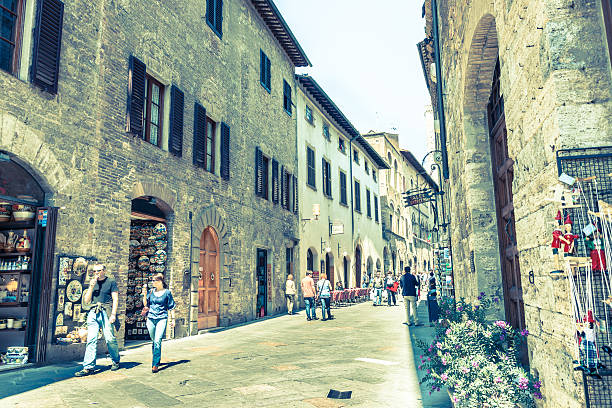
279,362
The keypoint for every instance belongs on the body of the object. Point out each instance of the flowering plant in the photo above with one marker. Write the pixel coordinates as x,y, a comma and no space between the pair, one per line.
478,360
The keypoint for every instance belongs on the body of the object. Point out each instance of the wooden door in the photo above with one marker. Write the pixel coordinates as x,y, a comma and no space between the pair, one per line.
329,270
208,284
357,268
503,175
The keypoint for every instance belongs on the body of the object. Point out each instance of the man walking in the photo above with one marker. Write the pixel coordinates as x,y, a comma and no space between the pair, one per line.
104,298
389,282
410,285
378,288
309,292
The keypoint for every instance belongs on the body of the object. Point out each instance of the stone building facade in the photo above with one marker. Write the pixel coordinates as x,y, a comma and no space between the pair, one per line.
73,141
339,173
548,64
406,230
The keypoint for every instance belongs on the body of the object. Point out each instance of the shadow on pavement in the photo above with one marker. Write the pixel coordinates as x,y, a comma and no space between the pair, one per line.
20,381
163,366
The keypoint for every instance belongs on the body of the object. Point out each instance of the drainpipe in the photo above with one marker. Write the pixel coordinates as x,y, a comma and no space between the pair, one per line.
190,265
352,187
434,13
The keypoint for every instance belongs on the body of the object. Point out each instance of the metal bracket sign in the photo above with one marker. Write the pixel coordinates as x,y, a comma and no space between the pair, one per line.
416,197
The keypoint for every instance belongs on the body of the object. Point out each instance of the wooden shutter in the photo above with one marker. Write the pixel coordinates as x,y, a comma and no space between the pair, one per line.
275,186
258,172
136,96
47,44
177,103
295,195
219,16
268,73
282,186
199,135
225,151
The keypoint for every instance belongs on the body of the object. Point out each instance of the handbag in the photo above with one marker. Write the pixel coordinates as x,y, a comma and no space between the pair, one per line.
145,311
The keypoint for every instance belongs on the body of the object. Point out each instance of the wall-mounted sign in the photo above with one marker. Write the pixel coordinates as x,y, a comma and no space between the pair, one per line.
337,228
416,197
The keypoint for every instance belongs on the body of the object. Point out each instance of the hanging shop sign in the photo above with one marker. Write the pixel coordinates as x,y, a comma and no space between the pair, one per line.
416,197
70,314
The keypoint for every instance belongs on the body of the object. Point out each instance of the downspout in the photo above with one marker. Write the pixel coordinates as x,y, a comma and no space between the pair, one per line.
190,263
352,187
441,120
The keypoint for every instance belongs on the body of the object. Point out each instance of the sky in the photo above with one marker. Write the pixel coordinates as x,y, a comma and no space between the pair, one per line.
366,60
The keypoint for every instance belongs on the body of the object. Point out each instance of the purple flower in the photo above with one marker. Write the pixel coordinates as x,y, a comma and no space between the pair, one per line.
455,399
524,332
501,324
476,307
448,331
537,395
474,364
459,308
537,384
501,337
428,371
428,359
482,294
443,361
430,349
448,312
439,345
420,366
497,380
523,383
421,356
458,346
496,299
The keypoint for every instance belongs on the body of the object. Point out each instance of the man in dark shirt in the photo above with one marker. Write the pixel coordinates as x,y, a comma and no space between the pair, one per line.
104,297
410,284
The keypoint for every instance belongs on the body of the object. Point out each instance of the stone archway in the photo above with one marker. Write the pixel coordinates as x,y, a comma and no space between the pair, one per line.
209,217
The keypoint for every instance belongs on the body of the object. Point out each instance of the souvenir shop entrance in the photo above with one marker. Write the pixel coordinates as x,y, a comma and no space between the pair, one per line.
27,239
148,256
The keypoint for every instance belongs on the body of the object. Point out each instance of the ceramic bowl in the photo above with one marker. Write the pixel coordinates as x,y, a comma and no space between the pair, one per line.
23,215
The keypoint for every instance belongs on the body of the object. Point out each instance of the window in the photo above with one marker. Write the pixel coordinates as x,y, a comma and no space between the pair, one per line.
287,97
327,188
154,102
308,116
289,261
374,174
391,222
375,208
210,145
10,34
310,158
309,260
357,197
367,168
214,16
343,188
264,71
356,156
326,131
368,204
265,165
341,145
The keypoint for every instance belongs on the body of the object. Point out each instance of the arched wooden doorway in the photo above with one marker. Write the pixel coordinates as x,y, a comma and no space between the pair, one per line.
346,271
208,283
357,267
329,269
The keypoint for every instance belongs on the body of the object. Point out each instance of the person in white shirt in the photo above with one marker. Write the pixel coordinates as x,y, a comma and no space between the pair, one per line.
290,293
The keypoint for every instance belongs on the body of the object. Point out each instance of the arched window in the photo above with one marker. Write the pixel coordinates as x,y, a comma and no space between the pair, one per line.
395,175
309,261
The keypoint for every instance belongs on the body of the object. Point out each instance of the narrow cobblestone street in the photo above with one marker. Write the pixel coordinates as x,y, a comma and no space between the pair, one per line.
280,362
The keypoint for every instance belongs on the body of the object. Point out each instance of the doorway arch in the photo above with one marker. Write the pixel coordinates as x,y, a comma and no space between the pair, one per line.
369,268
358,266
329,268
208,280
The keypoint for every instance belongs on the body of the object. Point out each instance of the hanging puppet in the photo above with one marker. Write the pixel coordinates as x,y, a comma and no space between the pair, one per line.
594,245
568,237
556,243
589,357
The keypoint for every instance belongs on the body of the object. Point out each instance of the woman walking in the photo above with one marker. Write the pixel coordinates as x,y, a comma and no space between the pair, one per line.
432,301
324,287
290,293
159,301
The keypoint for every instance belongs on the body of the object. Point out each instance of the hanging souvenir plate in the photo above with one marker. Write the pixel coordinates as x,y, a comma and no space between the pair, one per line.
152,266
160,229
80,266
74,290
134,243
143,262
160,268
150,250
161,243
161,256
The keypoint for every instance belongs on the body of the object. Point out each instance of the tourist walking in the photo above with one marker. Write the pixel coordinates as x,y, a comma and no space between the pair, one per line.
410,284
310,293
324,287
378,289
390,282
159,302
290,293
103,296
432,300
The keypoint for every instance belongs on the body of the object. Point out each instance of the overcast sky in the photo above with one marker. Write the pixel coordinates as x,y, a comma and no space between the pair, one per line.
364,55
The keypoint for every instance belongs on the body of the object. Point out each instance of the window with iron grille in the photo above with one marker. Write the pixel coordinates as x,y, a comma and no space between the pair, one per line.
264,71
368,204
343,188
154,102
287,97
310,162
357,196
327,187
214,16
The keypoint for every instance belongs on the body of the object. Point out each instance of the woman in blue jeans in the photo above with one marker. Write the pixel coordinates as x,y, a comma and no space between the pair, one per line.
159,301
324,289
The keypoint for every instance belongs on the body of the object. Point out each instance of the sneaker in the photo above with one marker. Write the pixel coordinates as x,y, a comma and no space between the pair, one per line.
308,319
323,319
115,366
154,369
315,318
418,324
83,373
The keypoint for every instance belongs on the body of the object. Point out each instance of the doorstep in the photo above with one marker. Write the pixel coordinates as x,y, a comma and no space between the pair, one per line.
10,367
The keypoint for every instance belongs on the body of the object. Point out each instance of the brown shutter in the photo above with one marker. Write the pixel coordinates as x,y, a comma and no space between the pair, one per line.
275,186
136,96
225,151
199,135
47,44
282,187
258,172
323,176
295,195
177,103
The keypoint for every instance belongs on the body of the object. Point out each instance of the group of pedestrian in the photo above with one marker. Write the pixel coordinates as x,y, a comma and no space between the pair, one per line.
410,285
312,293
103,297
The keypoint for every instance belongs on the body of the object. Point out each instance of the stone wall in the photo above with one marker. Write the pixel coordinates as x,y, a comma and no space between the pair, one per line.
76,143
555,81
